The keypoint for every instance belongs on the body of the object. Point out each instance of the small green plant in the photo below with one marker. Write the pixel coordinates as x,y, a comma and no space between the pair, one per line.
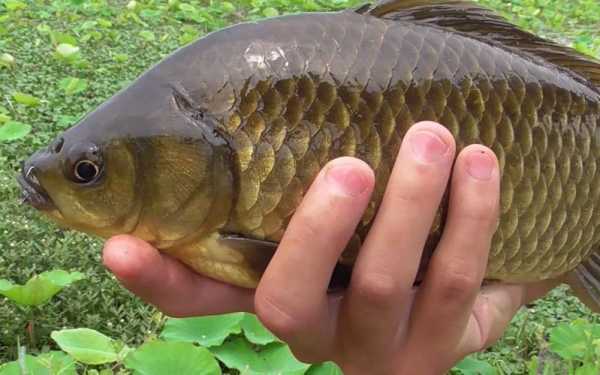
185,346
36,292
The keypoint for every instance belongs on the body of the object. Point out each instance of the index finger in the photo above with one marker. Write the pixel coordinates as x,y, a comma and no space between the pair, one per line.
168,284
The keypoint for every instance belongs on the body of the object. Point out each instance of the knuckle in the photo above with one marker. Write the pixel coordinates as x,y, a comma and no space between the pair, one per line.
276,316
457,283
375,288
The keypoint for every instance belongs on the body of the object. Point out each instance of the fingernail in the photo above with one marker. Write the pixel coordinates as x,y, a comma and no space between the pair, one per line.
480,165
347,179
427,146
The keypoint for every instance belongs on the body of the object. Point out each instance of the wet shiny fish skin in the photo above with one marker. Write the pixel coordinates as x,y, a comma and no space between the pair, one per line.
226,135
368,82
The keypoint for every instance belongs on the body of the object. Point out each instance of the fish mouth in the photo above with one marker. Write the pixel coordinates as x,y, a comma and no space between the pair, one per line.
32,192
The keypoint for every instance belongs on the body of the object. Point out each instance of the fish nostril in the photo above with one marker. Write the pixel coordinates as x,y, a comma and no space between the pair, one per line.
58,145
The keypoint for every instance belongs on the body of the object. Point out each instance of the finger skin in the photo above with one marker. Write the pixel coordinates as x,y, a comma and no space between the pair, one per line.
494,309
167,284
388,261
453,280
291,298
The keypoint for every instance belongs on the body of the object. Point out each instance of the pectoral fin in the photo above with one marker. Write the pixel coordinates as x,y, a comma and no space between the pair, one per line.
259,253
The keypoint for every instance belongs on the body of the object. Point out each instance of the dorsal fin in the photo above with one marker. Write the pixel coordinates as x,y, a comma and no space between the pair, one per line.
482,23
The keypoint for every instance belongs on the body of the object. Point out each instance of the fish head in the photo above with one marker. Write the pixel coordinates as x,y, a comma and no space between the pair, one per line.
133,164
82,184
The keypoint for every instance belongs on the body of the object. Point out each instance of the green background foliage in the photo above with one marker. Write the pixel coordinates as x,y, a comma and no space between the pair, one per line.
60,59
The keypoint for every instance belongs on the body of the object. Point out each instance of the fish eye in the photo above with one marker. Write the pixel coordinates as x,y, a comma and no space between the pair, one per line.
86,171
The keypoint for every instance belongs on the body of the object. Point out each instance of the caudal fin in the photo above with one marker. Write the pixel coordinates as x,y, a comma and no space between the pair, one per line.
585,281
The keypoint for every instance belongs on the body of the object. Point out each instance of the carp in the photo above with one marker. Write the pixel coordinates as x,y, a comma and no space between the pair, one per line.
208,153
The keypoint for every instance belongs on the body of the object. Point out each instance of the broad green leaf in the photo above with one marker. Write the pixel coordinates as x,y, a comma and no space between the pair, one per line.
270,12
206,330
187,8
572,341
147,35
51,363
473,366
14,5
25,99
327,368
40,288
87,346
4,118
31,366
588,369
256,332
274,358
72,85
161,357
67,51
227,7
13,130
6,59
58,38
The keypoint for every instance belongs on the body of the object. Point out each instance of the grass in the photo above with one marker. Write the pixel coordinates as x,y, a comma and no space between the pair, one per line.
117,41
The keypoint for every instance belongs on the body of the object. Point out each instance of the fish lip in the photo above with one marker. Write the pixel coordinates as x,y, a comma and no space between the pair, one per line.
32,192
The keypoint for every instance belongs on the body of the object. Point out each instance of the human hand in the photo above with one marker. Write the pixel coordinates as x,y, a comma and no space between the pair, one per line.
381,324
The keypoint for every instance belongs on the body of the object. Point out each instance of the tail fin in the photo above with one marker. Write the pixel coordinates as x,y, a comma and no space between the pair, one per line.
585,281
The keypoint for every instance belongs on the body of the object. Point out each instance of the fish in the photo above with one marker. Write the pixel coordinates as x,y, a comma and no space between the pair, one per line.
207,154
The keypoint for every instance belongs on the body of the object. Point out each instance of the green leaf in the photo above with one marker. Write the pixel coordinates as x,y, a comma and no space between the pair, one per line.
14,5
270,12
588,369
43,29
160,357
227,7
4,118
273,358
87,346
40,288
12,130
147,35
26,99
571,341
256,332
473,366
327,368
72,85
31,366
206,330
67,51
121,57
105,23
6,59
61,38
51,363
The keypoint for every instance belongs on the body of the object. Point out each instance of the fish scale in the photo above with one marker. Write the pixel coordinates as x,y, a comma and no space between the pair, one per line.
503,115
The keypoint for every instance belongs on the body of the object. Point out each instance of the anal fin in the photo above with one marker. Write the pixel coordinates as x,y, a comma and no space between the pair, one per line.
585,282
